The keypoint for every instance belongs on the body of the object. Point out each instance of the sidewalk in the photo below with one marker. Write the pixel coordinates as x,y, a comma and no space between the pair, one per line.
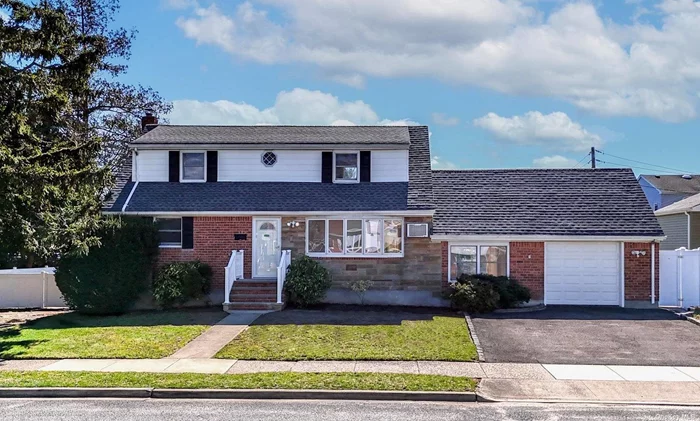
511,371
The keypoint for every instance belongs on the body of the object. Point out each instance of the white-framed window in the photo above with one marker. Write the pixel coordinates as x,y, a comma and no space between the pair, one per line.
169,232
193,167
346,167
492,259
268,158
357,237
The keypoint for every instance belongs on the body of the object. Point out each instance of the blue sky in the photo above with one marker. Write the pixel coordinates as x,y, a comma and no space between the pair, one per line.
501,83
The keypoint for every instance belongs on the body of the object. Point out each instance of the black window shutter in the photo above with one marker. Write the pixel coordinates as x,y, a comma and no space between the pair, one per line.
187,233
365,166
174,166
212,166
327,167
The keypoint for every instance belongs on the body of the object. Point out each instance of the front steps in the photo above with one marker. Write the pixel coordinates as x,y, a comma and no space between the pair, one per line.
253,295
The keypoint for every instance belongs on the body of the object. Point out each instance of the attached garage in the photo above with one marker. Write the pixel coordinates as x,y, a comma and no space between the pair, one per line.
583,273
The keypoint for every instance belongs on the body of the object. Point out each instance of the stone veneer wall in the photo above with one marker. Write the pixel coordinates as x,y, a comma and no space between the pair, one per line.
419,270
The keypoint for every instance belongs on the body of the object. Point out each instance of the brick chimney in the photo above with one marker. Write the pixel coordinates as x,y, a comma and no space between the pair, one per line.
148,121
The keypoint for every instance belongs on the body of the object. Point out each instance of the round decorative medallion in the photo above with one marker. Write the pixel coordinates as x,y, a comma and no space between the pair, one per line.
269,159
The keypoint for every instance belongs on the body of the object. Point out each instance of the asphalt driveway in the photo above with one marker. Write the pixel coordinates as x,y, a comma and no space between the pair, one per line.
589,335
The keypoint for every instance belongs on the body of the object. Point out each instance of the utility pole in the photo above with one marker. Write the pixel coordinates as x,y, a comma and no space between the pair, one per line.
593,157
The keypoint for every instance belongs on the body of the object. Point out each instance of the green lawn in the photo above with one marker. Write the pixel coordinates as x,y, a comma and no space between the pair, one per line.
331,381
438,339
135,335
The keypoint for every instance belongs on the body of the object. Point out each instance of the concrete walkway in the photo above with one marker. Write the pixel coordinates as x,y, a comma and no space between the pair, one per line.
216,337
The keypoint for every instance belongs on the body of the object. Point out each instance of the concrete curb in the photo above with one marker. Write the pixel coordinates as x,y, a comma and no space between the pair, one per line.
475,339
375,395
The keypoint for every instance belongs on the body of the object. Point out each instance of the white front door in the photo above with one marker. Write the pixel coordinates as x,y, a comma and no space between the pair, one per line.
266,247
583,273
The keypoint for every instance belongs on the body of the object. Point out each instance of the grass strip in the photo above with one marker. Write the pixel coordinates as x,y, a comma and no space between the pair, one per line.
438,339
321,381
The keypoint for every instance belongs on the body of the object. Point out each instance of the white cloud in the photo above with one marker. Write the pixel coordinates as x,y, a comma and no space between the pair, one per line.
444,120
295,107
555,130
554,161
178,4
570,53
438,163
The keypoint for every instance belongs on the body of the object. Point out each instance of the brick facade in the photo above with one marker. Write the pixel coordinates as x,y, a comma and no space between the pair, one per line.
527,266
213,243
638,272
419,269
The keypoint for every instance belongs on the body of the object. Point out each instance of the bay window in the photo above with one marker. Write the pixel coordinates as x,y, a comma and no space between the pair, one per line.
473,259
355,237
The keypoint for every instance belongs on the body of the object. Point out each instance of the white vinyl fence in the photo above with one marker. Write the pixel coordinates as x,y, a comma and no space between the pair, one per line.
29,288
679,278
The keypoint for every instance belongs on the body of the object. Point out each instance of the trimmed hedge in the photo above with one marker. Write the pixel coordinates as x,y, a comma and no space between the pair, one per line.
180,282
485,293
307,282
110,277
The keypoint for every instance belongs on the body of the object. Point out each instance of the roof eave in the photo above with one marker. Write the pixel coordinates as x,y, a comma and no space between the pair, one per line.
277,146
530,237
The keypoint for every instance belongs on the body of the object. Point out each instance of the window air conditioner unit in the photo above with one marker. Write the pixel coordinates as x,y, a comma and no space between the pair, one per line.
417,230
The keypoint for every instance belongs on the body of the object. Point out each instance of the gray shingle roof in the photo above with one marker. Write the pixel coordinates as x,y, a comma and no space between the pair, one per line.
122,184
266,196
267,135
689,204
420,183
600,202
674,183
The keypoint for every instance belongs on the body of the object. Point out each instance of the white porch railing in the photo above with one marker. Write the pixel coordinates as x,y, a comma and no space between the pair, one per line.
234,271
285,261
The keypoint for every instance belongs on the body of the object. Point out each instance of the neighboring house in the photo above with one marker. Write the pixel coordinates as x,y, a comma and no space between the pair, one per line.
681,224
663,190
365,203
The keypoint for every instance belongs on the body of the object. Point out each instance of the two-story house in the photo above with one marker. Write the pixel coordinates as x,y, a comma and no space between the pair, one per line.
365,203
664,190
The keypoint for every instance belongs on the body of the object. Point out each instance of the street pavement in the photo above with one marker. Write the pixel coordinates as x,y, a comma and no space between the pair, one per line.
187,410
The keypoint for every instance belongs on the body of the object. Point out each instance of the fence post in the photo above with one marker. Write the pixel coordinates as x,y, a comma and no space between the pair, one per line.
43,288
680,277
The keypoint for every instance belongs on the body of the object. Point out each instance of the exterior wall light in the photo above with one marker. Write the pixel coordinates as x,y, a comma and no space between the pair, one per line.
293,224
637,253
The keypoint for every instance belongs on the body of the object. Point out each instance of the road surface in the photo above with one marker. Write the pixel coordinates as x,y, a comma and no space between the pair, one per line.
249,410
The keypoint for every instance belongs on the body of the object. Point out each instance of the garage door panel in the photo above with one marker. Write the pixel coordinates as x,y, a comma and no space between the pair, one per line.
583,273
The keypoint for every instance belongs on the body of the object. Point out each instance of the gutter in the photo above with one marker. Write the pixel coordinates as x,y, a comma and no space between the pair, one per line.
387,213
128,199
631,239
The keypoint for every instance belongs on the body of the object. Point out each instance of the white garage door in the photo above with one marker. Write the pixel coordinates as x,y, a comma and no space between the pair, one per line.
582,273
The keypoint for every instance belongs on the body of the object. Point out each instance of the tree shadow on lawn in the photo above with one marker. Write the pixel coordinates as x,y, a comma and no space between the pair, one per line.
353,315
174,317
7,343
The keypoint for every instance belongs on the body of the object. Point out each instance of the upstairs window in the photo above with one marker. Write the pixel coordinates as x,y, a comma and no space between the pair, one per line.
346,167
193,167
169,232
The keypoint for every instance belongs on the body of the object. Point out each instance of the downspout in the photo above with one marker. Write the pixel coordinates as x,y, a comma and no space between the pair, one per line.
687,232
653,272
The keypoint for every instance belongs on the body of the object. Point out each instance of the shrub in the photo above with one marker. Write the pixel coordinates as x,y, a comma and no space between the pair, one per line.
360,287
484,293
180,282
474,296
110,277
307,282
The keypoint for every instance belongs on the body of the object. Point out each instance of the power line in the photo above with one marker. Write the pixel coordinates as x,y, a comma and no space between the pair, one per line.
674,170
580,161
634,166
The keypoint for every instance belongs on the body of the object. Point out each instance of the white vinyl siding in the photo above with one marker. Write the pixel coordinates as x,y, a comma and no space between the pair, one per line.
152,166
292,166
583,273
388,166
